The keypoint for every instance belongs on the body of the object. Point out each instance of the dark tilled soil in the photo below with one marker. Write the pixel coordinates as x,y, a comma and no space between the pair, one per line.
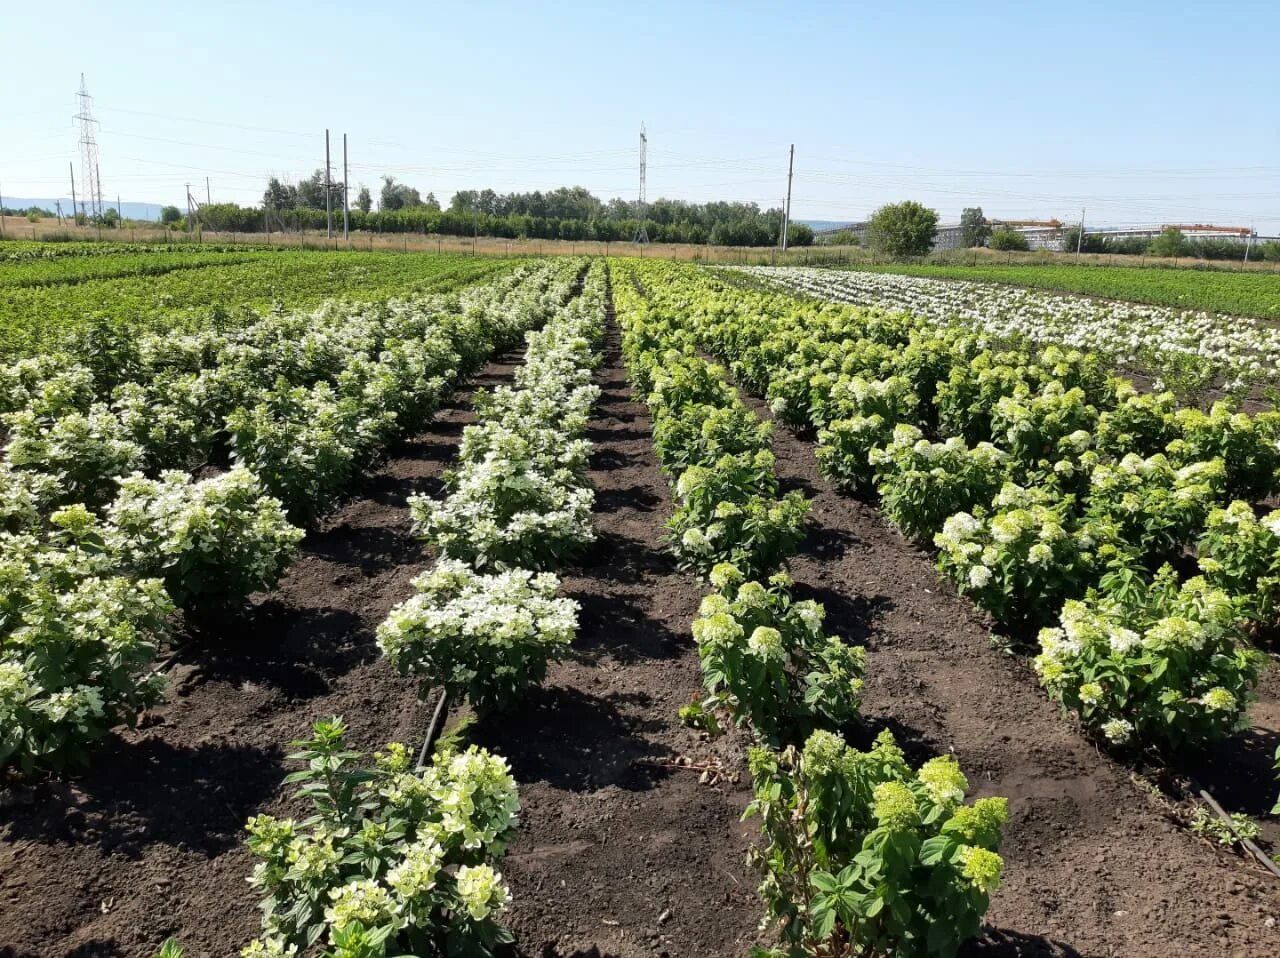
1093,864
621,852
148,842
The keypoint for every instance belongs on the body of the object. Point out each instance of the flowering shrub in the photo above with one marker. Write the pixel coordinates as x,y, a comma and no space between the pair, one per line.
1156,508
1044,426
1163,666
1249,447
85,452
394,860
866,413
766,659
1240,554
862,855
77,642
1141,423
1024,558
508,510
703,433
488,637
729,512
170,419
921,483
218,539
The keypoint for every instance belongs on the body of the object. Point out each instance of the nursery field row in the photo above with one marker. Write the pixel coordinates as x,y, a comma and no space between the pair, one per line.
1249,294
78,269
1186,350
103,512
36,320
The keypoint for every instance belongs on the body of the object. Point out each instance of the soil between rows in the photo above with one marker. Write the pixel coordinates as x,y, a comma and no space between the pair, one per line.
1093,865
148,842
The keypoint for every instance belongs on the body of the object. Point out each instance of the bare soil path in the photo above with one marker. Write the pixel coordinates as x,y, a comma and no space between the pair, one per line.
1093,865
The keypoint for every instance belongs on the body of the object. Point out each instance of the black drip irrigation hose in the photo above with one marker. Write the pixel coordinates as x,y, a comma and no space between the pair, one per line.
1248,843
433,730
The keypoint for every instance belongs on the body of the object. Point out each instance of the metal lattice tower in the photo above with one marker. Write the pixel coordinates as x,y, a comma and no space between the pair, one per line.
90,184
642,235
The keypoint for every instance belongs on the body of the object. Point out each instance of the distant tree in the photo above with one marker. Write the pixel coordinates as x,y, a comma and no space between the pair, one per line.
310,192
1009,239
279,196
974,230
397,196
170,215
364,199
798,234
1171,242
110,217
432,203
904,229
1270,251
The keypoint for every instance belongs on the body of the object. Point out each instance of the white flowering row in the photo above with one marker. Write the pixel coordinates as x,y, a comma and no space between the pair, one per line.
1034,489
1133,336
483,624
83,532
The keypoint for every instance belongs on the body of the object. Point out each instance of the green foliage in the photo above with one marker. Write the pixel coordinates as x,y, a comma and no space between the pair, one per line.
1171,242
1006,239
1154,663
393,861
1240,554
974,228
904,229
483,637
864,856
767,661
170,215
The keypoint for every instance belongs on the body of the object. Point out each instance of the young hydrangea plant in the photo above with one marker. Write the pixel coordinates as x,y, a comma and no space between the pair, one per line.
77,644
485,637
1164,665
214,540
862,855
766,659
394,860
1240,553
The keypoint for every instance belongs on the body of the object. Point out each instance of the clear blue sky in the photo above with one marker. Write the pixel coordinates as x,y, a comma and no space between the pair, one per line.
1142,112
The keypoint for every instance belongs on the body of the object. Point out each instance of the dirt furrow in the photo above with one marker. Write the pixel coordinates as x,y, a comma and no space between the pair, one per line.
620,852
148,842
1093,866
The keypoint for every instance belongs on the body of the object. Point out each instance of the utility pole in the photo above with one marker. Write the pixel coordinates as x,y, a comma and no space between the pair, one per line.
190,222
328,191
346,172
208,192
58,205
1,214
1080,235
642,235
119,209
786,215
1247,240
72,168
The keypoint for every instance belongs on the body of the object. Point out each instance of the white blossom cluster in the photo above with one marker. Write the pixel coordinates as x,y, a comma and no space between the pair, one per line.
1132,335
91,471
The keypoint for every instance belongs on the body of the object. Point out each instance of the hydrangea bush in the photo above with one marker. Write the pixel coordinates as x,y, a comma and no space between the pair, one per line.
1163,665
485,637
1240,554
767,659
393,861
864,855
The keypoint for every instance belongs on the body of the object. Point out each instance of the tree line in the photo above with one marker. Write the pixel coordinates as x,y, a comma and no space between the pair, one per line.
567,213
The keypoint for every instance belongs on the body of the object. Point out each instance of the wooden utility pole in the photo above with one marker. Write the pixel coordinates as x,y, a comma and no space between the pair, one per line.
786,215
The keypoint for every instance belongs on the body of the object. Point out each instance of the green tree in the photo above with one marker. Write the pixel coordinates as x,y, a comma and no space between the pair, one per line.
170,215
1171,242
974,230
310,192
432,203
397,196
364,200
904,229
798,234
1009,239
279,196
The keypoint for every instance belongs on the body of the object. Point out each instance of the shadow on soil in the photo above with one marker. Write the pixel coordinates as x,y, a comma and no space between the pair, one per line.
576,741
151,792
1002,943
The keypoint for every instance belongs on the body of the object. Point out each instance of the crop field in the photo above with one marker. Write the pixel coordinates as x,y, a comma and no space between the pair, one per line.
378,604
1213,291
45,303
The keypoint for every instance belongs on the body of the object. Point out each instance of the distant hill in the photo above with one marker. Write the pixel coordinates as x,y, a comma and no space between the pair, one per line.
128,209
819,225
